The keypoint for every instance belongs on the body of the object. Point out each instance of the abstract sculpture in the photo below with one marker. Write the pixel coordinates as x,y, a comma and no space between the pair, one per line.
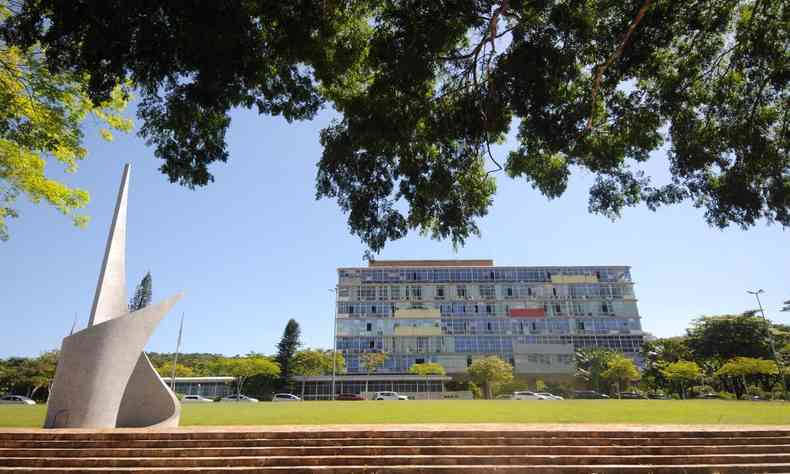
103,378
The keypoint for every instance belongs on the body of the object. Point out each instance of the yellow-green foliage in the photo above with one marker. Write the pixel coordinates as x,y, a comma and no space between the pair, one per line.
40,119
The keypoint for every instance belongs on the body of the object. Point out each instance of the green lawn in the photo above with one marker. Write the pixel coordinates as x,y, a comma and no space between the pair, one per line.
477,411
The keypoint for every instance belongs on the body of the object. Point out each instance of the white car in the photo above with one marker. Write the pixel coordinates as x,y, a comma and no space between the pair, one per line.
550,396
528,396
195,399
16,400
389,396
285,397
239,398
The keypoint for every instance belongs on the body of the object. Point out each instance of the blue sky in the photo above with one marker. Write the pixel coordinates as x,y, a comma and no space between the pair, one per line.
255,248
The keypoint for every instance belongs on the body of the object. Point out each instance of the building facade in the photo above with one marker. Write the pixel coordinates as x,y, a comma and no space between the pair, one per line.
455,311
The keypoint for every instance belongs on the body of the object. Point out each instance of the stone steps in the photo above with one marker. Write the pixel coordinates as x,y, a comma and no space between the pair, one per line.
341,442
125,435
416,469
402,451
398,460
387,451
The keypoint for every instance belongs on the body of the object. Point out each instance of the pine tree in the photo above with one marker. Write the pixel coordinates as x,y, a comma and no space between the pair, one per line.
142,295
286,350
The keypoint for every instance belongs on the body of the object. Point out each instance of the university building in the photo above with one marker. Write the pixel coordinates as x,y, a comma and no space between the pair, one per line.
455,311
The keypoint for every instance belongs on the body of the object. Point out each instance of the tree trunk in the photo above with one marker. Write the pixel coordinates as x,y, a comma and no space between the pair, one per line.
366,385
303,382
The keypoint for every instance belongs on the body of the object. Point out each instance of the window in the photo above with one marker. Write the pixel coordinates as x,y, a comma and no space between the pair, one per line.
605,308
367,293
460,291
419,361
382,293
489,308
557,309
554,291
395,292
487,292
342,292
469,361
372,344
509,292
439,292
416,292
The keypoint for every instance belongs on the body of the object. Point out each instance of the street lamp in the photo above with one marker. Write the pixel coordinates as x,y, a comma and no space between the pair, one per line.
334,342
771,339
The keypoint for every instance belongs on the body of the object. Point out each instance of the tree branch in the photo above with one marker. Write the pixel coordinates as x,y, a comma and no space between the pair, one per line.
599,70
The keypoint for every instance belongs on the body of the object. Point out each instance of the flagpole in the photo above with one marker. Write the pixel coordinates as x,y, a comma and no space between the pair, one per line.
74,324
175,356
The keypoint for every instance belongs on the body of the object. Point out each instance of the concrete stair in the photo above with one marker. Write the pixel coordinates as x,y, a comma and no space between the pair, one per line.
406,451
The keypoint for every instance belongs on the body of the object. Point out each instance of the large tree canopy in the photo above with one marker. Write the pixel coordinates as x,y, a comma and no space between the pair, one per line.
424,88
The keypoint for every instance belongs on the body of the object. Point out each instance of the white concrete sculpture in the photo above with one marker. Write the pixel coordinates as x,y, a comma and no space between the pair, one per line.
103,378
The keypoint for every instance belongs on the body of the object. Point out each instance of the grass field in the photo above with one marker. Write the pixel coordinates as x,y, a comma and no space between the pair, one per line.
476,411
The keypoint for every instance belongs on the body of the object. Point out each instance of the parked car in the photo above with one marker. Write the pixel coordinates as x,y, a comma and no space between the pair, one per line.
709,396
195,399
550,396
349,397
16,400
389,396
632,396
657,396
505,396
239,398
589,395
285,397
529,396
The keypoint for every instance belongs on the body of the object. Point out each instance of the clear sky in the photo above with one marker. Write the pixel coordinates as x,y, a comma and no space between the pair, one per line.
255,248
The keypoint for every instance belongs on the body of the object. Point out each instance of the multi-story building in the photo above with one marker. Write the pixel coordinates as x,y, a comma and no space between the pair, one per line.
455,311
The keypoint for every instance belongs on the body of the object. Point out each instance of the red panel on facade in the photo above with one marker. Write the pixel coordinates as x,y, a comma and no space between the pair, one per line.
527,312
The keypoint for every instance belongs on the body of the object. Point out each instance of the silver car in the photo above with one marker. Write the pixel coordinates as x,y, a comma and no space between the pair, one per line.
239,398
195,399
550,396
16,400
285,397
528,396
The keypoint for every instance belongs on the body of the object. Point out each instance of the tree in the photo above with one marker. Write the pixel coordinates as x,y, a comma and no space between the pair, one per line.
371,361
621,370
166,370
142,295
490,371
720,338
741,368
242,368
286,350
657,355
41,114
425,369
683,373
314,362
591,364
425,88
23,375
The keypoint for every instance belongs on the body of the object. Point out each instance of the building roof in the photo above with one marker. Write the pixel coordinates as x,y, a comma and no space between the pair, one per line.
372,378
201,379
430,263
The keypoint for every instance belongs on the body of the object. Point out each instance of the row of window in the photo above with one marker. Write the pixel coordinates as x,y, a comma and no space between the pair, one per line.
460,309
485,292
525,274
500,344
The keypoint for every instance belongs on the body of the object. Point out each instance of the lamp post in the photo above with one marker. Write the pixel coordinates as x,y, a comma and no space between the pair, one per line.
771,340
334,342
